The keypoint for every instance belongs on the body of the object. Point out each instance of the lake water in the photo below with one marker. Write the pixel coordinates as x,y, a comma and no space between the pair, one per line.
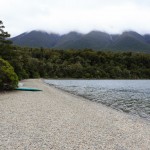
130,96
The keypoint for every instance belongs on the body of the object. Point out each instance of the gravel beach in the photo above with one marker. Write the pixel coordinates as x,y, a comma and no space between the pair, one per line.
54,119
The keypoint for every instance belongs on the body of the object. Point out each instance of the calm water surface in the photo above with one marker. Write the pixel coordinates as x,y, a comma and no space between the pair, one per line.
130,96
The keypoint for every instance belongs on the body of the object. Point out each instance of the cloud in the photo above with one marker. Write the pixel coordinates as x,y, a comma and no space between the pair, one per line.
62,16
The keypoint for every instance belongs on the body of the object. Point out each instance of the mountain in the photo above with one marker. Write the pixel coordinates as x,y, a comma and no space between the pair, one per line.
147,38
67,40
94,40
131,41
36,39
127,41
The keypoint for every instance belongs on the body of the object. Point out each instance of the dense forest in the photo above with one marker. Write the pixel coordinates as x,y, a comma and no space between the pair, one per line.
87,64
46,63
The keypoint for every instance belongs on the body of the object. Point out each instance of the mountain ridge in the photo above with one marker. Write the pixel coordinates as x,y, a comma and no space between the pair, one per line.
96,40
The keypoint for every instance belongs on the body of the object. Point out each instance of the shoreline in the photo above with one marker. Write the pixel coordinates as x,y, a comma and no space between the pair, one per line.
56,119
133,116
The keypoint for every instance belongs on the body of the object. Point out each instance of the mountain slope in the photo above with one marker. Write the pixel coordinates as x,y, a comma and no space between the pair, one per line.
131,41
127,41
65,42
94,40
36,39
147,38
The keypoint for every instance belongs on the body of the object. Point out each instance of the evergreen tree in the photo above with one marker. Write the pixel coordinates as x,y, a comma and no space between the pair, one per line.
3,36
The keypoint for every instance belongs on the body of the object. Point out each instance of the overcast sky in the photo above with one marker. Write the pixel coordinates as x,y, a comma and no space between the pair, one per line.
62,16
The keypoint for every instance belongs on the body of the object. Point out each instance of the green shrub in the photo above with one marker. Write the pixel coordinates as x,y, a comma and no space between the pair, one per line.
8,78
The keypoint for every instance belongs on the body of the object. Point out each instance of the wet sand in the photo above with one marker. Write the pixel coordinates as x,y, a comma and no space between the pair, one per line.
53,119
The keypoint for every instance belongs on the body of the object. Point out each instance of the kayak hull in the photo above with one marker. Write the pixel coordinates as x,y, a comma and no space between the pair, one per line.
27,89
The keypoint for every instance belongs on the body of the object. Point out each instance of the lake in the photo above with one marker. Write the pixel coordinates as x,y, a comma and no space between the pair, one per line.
130,96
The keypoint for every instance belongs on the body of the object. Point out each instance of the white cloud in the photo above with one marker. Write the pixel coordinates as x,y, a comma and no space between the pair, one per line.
62,16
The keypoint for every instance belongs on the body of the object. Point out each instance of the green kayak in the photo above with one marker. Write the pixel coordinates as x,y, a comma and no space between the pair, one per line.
27,89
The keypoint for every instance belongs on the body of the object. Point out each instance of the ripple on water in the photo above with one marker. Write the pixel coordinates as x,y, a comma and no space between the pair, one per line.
130,96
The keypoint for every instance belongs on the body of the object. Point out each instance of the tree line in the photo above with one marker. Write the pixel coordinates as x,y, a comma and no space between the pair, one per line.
46,63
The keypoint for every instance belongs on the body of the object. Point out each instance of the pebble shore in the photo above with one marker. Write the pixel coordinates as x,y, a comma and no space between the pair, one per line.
55,120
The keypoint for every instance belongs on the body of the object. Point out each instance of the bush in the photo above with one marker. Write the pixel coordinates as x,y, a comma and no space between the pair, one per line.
8,78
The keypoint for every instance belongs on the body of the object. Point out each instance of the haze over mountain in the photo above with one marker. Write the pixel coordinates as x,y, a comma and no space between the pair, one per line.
96,40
